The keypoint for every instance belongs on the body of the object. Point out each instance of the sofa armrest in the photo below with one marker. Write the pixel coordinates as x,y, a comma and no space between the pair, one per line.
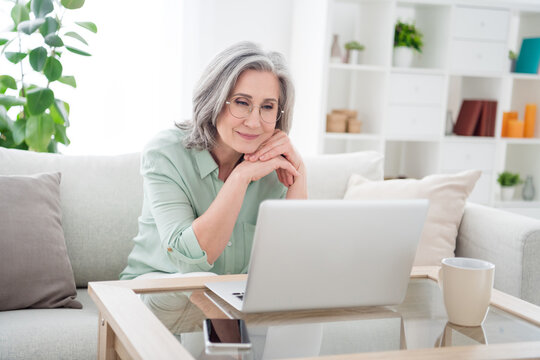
508,240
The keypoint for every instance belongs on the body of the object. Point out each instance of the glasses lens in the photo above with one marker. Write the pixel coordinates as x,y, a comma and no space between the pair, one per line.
269,112
240,107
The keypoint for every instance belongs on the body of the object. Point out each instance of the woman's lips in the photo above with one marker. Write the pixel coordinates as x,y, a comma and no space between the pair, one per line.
247,136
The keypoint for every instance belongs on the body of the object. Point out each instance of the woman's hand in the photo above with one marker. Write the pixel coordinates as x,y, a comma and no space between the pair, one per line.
279,145
254,170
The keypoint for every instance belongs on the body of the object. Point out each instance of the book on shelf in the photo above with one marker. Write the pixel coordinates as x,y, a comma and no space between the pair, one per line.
529,56
476,118
486,122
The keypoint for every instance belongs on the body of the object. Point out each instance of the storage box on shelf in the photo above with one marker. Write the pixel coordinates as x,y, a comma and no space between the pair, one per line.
404,110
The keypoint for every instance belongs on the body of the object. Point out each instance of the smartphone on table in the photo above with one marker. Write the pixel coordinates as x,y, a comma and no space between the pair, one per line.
226,334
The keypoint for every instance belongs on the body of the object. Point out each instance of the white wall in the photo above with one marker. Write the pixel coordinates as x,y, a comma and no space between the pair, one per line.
130,87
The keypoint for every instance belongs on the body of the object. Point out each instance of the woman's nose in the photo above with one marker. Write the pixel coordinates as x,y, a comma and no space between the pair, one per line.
254,118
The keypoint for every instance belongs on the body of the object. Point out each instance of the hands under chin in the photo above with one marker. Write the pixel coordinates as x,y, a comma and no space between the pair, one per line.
279,146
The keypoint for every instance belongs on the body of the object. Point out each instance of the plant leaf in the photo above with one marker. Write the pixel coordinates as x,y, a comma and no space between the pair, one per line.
49,27
88,25
19,13
15,57
7,82
60,112
77,51
18,131
72,4
29,26
68,80
39,130
38,100
53,40
3,41
9,101
40,8
52,69
60,134
76,36
37,58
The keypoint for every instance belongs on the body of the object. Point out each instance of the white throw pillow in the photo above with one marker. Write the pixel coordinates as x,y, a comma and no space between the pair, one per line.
447,194
327,175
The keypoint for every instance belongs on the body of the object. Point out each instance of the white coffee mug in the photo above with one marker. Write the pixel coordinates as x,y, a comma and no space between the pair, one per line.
466,286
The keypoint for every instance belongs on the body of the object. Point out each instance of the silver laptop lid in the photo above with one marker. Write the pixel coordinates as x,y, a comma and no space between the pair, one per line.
332,253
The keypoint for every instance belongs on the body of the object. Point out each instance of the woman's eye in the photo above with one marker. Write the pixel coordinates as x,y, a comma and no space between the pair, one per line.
268,107
241,102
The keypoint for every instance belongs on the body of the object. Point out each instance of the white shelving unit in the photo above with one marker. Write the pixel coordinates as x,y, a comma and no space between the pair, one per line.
404,110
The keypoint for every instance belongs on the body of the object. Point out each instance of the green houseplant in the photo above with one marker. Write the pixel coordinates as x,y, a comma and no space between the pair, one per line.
31,116
407,39
508,182
353,49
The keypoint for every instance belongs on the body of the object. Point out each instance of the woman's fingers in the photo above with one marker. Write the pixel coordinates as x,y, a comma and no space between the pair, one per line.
282,163
279,138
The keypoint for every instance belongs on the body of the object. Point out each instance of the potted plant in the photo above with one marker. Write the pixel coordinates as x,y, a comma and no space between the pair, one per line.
508,182
407,39
31,115
352,54
512,56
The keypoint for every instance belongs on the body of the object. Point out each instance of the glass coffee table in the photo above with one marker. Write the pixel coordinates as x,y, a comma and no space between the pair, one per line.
162,319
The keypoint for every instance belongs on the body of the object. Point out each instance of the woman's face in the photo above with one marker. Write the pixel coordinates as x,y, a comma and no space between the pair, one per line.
245,135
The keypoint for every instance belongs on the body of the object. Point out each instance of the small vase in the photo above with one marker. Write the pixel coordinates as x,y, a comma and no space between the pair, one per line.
528,189
403,56
507,192
335,54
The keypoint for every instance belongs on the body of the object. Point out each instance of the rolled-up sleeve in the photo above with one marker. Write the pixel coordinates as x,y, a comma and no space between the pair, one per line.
172,212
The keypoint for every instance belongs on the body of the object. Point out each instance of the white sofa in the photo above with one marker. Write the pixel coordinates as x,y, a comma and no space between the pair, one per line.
101,200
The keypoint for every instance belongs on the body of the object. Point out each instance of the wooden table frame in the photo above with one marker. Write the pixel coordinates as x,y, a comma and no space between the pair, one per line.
129,330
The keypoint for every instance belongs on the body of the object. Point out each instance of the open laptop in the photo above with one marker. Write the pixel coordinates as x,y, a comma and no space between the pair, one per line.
313,254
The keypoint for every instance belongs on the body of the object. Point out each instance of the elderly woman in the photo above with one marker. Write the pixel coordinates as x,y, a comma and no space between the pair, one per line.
204,179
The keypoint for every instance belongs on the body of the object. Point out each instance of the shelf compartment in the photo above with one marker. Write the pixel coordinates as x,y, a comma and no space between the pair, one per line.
523,159
366,22
360,91
412,159
526,92
480,88
433,20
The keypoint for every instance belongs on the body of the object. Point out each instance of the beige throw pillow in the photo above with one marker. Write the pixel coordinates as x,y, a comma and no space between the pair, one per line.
447,194
35,271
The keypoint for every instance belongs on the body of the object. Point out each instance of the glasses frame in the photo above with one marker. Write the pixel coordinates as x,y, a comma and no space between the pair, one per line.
279,113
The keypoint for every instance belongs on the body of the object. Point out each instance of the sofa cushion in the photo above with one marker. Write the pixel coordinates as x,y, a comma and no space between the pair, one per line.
447,196
50,334
35,267
327,175
101,201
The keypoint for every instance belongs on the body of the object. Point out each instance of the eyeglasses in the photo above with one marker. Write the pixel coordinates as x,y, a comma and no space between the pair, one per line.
241,107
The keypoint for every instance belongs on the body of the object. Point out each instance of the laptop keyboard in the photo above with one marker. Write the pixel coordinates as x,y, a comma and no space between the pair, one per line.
239,295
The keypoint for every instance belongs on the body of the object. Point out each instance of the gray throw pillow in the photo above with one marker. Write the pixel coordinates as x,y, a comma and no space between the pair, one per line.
35,271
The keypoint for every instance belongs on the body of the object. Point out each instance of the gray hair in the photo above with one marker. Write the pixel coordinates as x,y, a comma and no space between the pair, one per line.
218,81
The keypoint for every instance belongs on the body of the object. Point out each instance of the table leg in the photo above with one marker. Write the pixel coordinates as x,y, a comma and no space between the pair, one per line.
105,341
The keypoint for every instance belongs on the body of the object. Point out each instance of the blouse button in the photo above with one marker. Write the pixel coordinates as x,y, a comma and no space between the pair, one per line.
229,244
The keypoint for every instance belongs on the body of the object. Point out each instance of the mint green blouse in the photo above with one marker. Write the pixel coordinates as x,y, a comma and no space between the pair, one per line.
179,185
